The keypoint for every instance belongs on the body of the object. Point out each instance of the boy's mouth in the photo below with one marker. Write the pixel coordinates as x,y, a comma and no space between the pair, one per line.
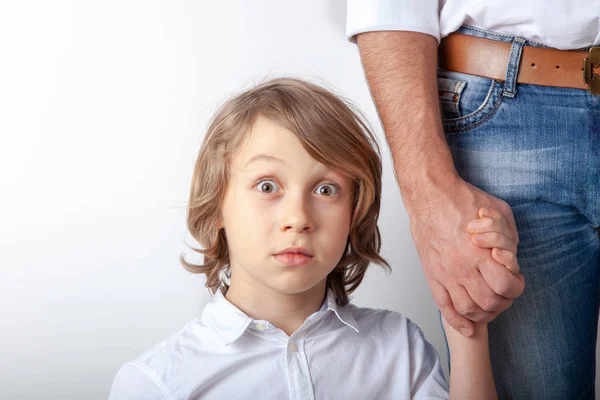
294,256
295,250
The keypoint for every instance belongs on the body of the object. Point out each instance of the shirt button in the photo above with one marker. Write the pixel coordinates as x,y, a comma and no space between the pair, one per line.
260,327
293,347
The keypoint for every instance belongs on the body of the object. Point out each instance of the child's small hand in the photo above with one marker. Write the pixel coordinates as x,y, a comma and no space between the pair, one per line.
491,231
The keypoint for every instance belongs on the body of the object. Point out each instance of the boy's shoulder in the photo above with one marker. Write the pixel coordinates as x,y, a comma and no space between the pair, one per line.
179,347
405,345
175,355
379,315
384,322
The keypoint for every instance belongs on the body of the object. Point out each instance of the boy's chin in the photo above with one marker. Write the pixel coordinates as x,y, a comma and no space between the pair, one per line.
299,287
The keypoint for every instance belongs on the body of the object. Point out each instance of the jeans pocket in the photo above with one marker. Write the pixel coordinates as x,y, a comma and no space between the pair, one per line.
467,101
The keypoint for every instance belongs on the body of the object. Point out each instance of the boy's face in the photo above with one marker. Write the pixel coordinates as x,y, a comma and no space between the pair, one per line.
279,197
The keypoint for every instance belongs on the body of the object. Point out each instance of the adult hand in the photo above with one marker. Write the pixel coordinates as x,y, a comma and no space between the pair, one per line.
467,284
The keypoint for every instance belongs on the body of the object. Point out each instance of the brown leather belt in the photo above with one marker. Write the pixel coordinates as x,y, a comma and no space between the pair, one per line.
539,65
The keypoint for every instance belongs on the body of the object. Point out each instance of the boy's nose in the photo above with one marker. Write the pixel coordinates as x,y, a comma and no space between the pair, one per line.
297,216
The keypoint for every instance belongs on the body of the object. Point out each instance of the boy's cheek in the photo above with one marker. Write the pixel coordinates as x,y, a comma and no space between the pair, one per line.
256,213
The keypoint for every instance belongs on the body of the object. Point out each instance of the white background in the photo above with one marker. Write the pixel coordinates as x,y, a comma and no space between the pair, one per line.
103,105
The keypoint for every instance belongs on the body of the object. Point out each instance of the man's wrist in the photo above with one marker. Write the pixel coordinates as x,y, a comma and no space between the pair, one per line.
417,185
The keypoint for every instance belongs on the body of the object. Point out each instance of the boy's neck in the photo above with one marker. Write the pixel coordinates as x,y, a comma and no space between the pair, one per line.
286,312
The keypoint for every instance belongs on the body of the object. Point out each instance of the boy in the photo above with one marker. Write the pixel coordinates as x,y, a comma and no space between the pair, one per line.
284,199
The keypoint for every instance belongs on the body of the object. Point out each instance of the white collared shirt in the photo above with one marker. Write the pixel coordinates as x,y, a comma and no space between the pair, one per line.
338,353
563,24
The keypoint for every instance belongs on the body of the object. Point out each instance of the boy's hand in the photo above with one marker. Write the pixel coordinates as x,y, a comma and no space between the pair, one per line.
491,231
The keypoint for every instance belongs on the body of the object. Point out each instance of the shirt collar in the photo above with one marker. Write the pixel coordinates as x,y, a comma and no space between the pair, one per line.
343,313
229,322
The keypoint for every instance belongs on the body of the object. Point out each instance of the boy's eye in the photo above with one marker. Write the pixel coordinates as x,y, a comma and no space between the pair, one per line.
327,189
267,186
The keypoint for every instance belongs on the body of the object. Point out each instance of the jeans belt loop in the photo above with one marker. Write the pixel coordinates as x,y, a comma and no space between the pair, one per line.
512,70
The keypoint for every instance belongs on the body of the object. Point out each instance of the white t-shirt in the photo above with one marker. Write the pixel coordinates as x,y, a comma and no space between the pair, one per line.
563,24
338,353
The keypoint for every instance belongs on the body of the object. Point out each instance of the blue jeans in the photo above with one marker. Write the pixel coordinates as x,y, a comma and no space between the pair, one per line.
537,148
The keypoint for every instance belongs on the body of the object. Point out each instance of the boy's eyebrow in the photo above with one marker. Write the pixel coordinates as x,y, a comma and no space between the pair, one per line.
264,157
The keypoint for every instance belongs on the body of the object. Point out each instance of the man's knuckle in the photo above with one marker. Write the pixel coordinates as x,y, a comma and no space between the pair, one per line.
490,303
469,310
454,262
441,303
504,207
503,288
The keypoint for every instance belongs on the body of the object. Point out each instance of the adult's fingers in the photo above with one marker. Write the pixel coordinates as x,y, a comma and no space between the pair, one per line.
483,295
500,279
466,306
508,259
444,304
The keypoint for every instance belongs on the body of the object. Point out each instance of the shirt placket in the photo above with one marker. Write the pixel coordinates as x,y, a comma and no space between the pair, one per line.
299,379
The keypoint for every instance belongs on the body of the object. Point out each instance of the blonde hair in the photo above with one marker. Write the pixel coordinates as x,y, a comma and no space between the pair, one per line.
332,130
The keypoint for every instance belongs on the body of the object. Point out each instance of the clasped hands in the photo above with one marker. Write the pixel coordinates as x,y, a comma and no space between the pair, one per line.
477,275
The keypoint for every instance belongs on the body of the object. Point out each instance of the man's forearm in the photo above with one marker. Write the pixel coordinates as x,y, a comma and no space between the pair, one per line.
401,71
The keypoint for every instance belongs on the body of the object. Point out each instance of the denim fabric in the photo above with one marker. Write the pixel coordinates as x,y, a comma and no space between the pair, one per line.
537,148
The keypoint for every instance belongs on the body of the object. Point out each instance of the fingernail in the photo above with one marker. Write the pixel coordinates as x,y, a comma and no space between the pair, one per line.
486,212
465,332
478,236
501,252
